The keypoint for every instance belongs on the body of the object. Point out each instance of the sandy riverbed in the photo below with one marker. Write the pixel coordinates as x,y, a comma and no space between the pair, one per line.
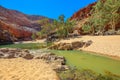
21,69
106,45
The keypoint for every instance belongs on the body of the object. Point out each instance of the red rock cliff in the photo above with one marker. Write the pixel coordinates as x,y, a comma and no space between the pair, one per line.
83,13
19,25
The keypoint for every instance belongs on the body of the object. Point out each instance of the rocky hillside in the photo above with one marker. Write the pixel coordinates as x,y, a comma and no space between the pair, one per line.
83,13
82,17
20,26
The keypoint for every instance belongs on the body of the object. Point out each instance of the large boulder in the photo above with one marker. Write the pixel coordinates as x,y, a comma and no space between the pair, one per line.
65,46
77,44
88,43
28,56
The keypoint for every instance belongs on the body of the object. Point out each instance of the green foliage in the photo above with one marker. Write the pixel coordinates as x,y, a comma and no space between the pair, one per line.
86,28
46,27
64,27
112,10
44,21
60,26
61,18
33,36
105,13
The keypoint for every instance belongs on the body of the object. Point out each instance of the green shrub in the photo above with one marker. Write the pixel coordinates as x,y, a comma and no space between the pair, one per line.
33,36
86,28
105,13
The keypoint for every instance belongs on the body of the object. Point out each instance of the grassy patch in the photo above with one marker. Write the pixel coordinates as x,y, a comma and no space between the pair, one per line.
26,45
85,60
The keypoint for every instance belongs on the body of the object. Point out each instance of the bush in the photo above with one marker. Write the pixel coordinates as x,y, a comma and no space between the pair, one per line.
33,36
86,28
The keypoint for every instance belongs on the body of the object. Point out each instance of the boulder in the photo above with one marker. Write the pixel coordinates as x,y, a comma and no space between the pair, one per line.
70,46
77,44
28,56
88,43
65,46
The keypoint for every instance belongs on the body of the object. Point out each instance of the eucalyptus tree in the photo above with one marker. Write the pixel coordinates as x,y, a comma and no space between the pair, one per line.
105,13
61,18
64,27
46,27
112,8
98,19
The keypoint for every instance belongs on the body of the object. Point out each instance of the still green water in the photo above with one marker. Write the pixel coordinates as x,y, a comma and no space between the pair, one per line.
85,60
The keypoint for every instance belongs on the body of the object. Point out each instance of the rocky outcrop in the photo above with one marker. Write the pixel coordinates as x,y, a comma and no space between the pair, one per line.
16,32
5,37
56,62
71,46
19,25
83,13
15,53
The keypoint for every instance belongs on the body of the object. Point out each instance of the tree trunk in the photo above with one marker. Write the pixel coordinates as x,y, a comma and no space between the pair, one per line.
93,30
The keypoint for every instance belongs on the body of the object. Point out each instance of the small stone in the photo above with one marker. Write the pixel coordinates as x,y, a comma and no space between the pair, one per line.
28,56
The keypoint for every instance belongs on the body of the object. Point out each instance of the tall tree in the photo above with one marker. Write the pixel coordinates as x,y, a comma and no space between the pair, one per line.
46,27
112,9
105,12
61,18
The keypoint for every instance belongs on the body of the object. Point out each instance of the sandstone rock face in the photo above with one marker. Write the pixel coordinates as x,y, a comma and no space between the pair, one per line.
71,46
19,25
83,13
15,32
5,37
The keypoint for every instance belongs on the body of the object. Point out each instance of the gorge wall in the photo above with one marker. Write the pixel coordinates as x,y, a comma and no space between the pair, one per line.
19,25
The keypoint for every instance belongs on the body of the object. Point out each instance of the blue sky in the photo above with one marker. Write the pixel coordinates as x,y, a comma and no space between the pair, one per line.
48,8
